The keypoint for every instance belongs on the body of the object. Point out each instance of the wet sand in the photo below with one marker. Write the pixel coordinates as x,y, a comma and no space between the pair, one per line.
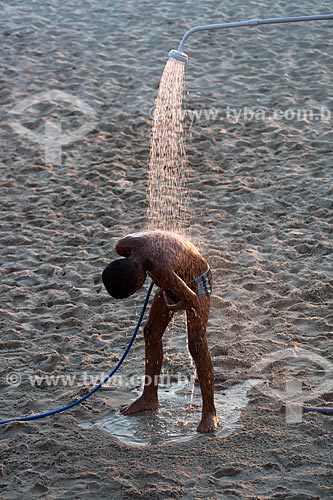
261,202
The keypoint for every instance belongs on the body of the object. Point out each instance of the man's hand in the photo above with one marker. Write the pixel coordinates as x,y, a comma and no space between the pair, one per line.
181,305
174,306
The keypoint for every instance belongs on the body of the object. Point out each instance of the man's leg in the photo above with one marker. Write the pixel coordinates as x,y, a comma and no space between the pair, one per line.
159,318
198,346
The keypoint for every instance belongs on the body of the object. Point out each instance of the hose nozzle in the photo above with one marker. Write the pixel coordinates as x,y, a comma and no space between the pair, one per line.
179,56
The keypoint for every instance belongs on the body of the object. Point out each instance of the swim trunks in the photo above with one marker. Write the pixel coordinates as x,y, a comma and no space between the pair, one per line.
202,285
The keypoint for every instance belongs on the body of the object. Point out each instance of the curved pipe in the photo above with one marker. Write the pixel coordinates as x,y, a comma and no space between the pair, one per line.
251,22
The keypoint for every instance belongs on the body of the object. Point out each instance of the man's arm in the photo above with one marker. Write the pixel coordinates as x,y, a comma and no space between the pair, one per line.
171,281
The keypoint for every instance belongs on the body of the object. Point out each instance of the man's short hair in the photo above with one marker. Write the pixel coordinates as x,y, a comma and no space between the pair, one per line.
120,278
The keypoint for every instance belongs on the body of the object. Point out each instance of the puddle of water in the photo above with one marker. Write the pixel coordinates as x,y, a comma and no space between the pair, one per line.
178,416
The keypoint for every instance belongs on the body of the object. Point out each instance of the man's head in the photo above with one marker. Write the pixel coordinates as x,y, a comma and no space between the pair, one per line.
122,278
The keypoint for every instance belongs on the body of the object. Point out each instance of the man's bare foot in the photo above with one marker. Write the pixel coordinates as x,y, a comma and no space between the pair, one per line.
209,423
140,404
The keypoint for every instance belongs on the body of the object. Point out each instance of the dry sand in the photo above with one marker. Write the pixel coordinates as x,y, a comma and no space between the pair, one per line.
261,195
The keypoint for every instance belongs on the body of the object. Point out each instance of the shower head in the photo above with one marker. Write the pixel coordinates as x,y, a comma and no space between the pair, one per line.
178,55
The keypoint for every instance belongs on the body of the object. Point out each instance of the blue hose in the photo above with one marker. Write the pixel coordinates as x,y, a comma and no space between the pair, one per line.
95,389
322,410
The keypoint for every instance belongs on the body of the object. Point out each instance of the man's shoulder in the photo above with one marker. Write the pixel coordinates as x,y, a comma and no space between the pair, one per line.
131,239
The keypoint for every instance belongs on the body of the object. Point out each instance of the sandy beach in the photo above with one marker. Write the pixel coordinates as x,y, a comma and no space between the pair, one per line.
258,121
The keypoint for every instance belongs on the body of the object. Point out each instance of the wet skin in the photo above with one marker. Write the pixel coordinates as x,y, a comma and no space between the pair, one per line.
172,261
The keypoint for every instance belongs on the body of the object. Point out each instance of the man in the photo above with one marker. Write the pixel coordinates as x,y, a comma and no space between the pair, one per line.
184,280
